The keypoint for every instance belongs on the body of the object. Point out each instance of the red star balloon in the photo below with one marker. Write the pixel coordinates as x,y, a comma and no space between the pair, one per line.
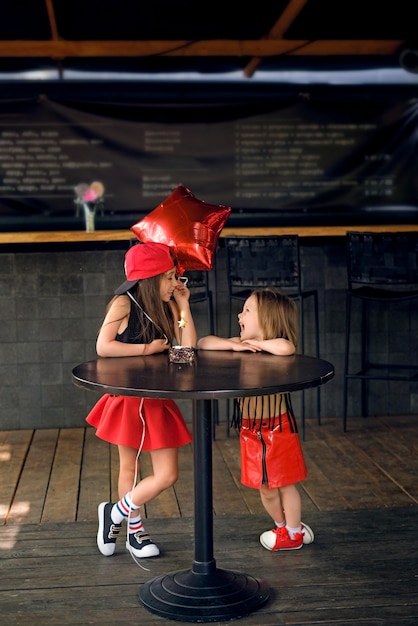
191,227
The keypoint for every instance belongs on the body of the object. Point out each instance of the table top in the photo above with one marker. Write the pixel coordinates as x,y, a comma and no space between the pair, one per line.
213,375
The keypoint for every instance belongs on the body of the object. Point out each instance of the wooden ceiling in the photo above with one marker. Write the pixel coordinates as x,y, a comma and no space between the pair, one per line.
180,35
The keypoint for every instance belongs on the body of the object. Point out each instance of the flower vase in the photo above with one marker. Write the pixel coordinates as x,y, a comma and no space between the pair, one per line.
89,215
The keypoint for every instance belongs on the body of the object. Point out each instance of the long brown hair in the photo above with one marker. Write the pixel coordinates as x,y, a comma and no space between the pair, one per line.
278,314
147,293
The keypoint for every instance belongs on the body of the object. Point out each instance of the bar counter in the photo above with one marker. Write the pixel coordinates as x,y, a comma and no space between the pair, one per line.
124,235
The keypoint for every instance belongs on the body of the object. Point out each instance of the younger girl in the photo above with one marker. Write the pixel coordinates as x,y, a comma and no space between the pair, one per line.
141,320
271,454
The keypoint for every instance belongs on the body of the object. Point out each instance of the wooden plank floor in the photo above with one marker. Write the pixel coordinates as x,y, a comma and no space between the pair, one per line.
55,475
360,497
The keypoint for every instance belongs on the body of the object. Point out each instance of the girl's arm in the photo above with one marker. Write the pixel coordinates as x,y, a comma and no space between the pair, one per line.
115,321
212,342
279,347
181,306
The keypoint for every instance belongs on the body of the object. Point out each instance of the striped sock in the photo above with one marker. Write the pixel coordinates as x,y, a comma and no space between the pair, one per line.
135,524
121,509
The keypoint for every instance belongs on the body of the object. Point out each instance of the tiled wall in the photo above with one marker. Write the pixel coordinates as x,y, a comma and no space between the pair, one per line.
53,297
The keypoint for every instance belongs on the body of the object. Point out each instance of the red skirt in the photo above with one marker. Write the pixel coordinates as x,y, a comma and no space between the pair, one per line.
117,419
271,457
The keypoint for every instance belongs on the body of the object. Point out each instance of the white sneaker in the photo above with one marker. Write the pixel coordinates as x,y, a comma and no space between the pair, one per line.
141,545
268,538
108,531
308,534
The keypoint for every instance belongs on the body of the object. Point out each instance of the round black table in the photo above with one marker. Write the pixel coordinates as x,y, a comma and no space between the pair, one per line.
204,593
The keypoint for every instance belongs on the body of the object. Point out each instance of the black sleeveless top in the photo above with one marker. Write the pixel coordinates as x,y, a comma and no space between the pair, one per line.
132,333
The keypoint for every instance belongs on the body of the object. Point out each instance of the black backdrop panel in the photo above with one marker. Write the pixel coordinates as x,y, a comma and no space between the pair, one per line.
291,160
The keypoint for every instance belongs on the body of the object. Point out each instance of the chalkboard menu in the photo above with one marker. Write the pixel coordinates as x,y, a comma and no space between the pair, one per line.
296,158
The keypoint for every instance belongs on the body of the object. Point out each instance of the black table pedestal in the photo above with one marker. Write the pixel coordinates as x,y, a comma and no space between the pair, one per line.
203,593
220,596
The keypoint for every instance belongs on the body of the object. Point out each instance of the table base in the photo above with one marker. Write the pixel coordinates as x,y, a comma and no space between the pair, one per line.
219,596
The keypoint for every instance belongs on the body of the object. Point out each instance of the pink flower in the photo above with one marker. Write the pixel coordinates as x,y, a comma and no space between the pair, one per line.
89,195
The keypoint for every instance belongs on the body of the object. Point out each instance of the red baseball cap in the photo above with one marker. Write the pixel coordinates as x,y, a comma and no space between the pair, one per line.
144,260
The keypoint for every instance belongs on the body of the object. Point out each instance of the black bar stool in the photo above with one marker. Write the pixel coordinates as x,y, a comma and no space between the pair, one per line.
382,268
198,284
270,261
200,292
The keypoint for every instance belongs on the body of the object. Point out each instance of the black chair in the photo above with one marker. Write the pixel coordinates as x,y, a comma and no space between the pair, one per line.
198,283
270,261
382,268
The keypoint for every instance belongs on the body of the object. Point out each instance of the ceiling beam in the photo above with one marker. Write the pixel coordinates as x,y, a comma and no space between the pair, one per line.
52,19
211,48
289,14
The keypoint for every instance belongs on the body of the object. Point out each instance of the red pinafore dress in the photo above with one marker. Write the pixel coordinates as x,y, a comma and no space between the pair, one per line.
270,449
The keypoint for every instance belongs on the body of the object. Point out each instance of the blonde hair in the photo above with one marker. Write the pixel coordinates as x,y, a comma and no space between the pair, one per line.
277,314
